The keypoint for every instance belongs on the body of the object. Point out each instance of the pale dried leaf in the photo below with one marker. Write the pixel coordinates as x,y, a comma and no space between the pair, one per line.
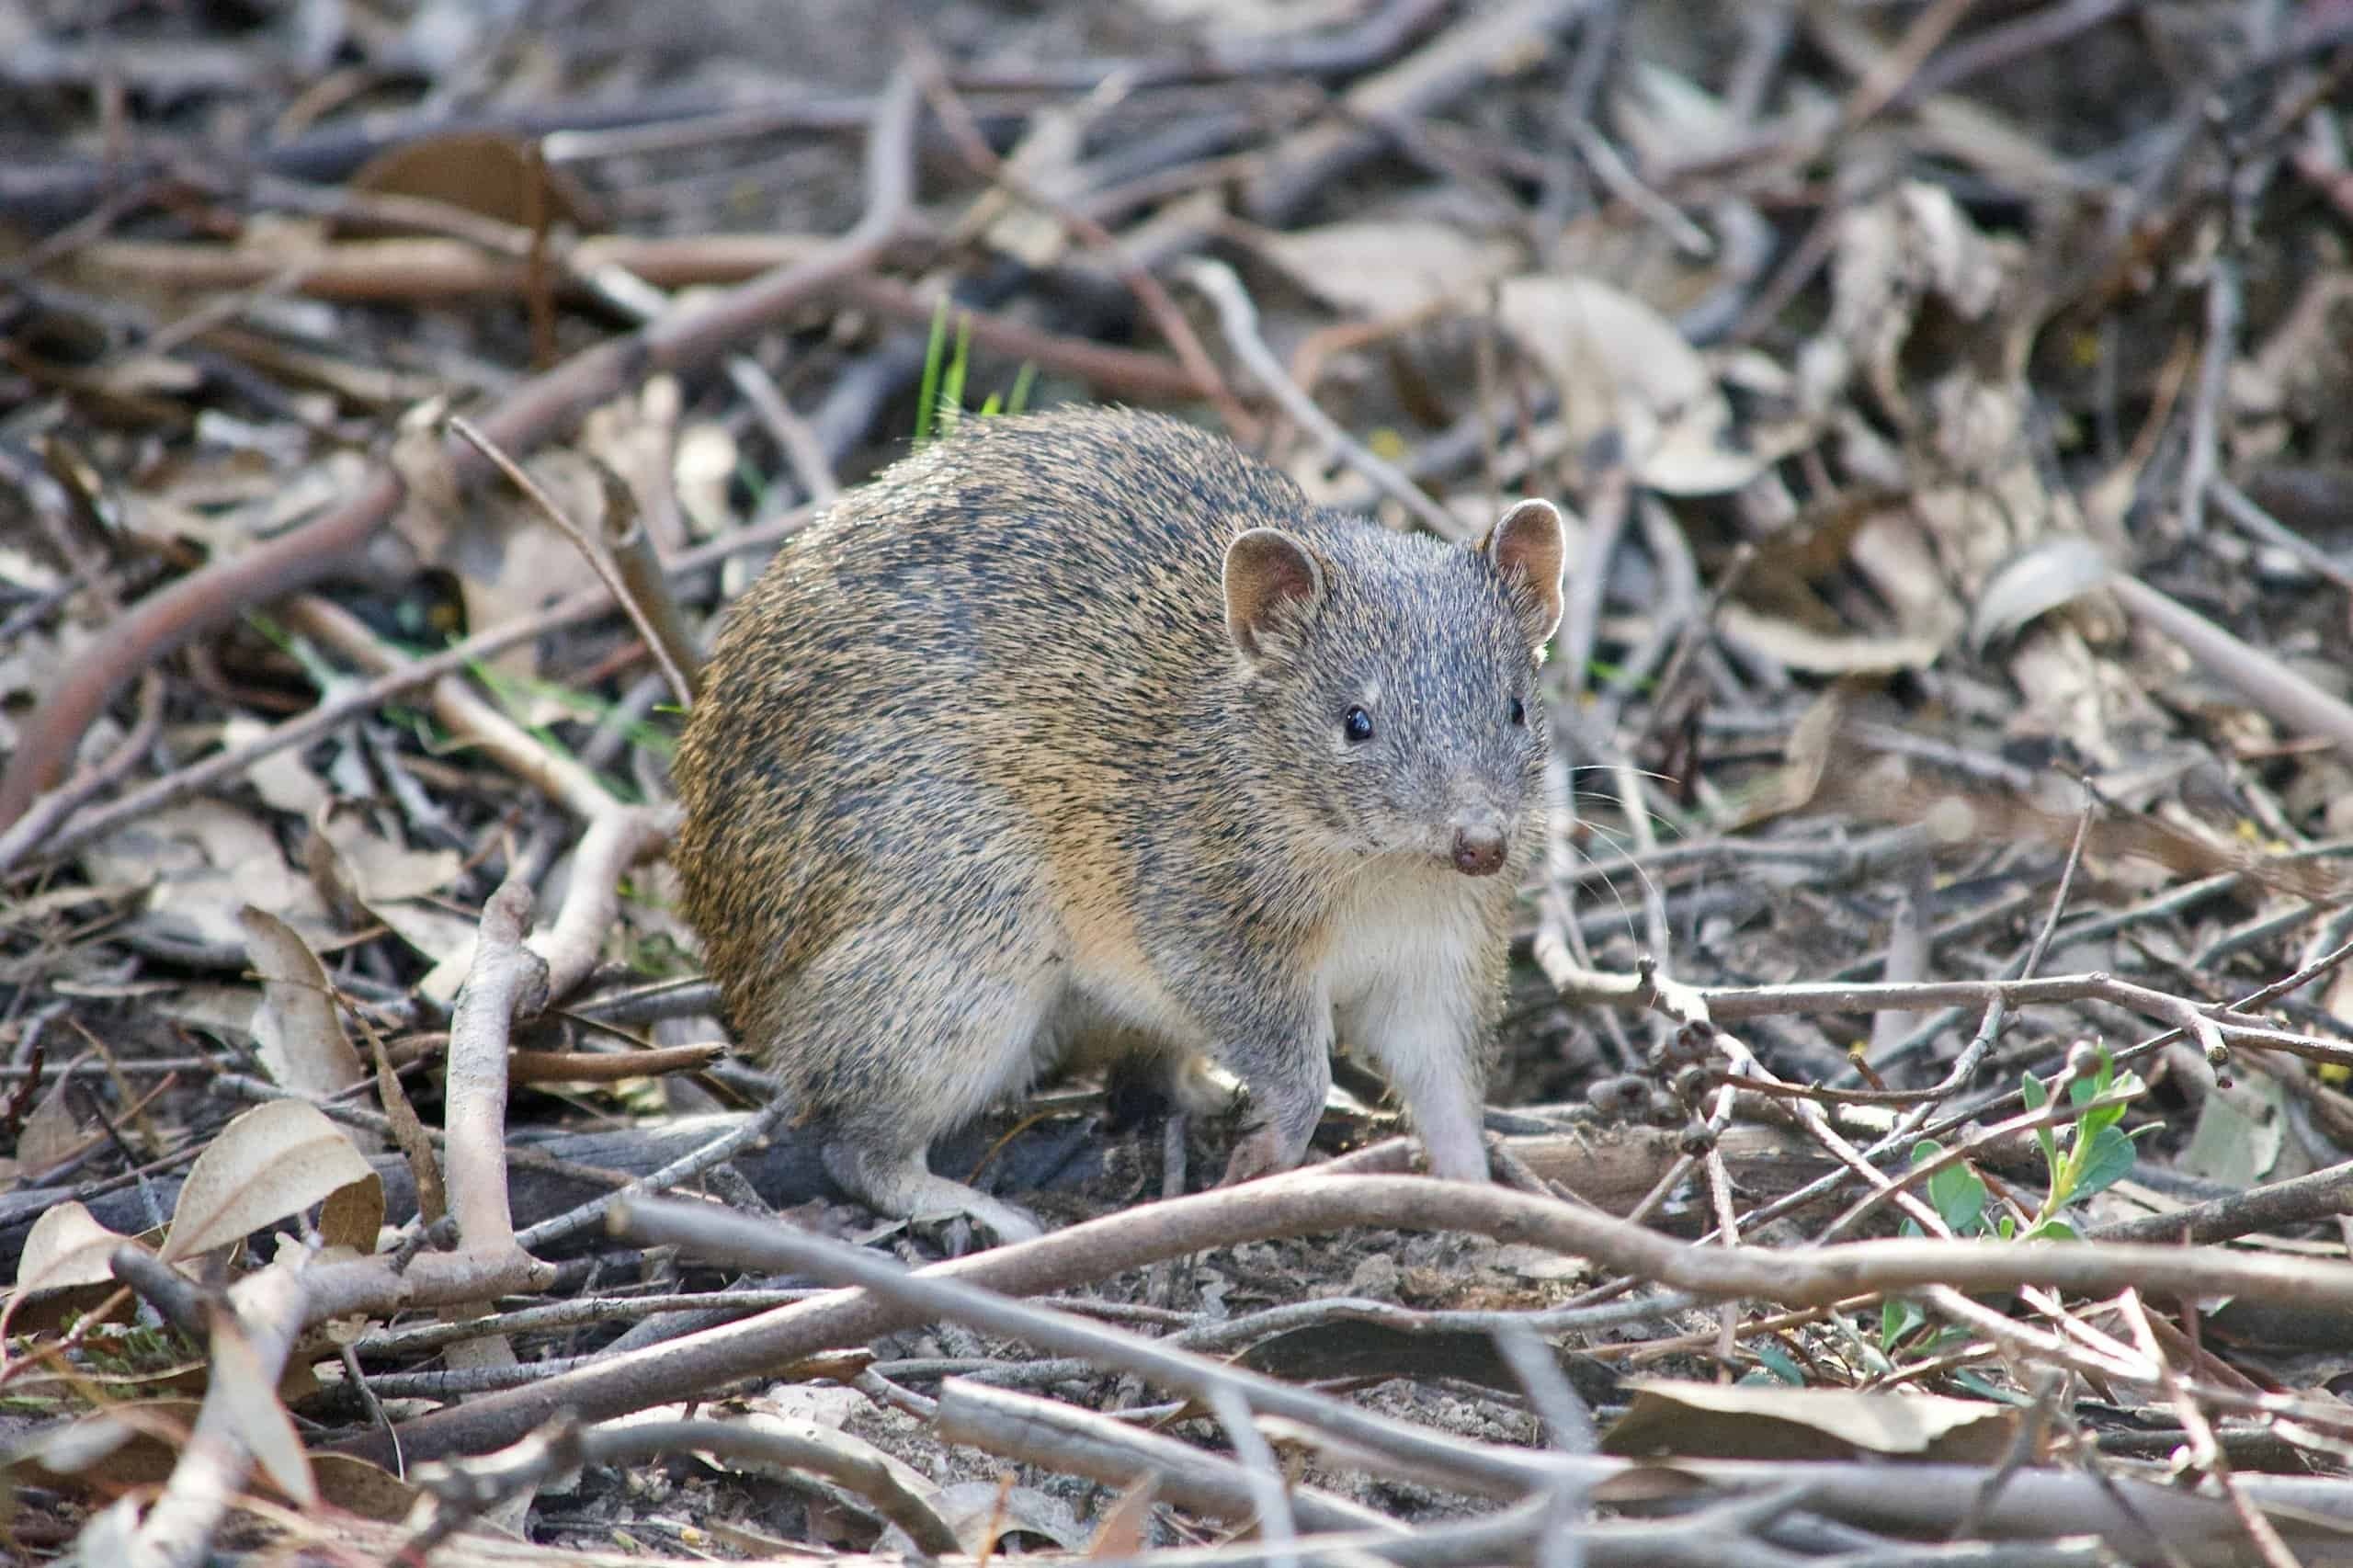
75,1446
1664,117
1387,268
1531,1262
1123,1529
32,664
218,1009
2057,571
377,870
267,1162
2240,1132
50,1134
1622,367
1249,18
1893,256
976,1510
202,862
28,573
430,508
66,1248
297,1031
448,939
703,468
513,562
1773,1421
282,779
1815,652
1045,159
242,1388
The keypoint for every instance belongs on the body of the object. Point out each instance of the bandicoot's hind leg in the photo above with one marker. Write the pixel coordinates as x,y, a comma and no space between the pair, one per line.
911,1035
899,1181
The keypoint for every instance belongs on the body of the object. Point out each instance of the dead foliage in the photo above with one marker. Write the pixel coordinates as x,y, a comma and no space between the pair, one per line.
1922,1134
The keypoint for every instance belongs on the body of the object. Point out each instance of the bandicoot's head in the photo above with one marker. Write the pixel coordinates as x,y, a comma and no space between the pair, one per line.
1397,676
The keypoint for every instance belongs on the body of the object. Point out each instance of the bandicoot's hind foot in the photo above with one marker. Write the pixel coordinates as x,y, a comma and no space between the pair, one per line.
1262,1150
902,1185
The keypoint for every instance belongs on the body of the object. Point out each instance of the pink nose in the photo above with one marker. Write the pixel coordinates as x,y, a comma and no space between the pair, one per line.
1478,851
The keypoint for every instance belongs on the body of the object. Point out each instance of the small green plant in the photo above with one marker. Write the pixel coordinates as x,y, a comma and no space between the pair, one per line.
2080,1157
942,397
2088,1155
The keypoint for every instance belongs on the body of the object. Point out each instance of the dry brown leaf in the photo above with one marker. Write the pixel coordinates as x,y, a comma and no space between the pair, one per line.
1815,652
408,1135
1622,367
1695,1420
203,861
1387,268
2242,1130
67,1246
353,1216
2057,571
298,1032
981,1511
1122,1530
376,869
66,1270
243,1388
50,1134
484,172
448,939
267,1162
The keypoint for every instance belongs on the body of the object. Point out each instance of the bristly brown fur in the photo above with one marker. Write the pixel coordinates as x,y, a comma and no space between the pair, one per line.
979,771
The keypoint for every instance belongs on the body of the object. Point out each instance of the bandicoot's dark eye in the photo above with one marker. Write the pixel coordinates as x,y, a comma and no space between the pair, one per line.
1518,712
1357,724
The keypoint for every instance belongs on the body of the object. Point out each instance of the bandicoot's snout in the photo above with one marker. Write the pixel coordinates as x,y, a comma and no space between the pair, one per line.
1479,847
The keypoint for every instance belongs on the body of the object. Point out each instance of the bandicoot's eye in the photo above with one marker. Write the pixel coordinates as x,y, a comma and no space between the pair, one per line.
1519,713
1357,724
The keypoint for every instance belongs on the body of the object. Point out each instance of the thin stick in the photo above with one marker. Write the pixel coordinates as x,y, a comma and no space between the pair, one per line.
599,561
1239,317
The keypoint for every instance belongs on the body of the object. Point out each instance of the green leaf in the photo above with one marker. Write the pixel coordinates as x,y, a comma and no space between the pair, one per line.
1896,1319
1959,1194
1778,1362
1976,1383
2051,1231
1018,400
2006,1227
2038,1097
935,354
2106,1164
952,386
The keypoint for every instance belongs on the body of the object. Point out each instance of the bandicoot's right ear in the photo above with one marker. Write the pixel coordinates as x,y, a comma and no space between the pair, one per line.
1271,582
1528,546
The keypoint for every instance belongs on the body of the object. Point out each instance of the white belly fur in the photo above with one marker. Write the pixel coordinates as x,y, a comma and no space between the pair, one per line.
1406,939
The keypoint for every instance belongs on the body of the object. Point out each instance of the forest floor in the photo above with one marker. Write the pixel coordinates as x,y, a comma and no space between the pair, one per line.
1920,1124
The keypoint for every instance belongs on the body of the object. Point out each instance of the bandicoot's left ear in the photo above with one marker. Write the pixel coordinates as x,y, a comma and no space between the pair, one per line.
1530,543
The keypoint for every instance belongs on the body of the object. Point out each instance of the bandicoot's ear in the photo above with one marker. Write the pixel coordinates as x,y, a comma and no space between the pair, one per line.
1271,582
1530,543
